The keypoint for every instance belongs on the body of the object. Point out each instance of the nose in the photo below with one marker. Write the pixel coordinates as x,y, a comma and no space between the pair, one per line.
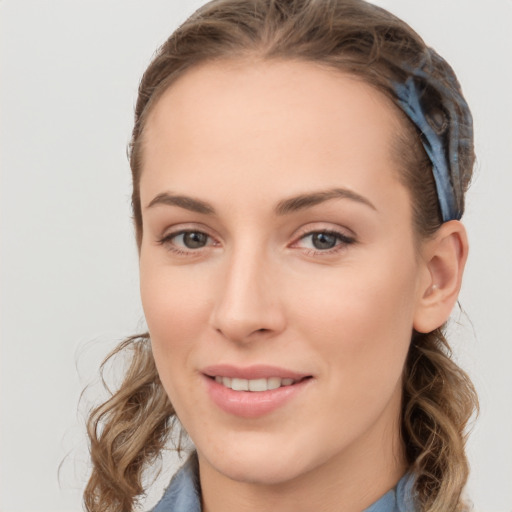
248,305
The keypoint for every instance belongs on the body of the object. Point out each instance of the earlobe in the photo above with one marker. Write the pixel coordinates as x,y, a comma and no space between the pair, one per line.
445,257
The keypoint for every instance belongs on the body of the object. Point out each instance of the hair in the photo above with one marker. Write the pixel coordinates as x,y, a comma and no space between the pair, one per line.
129,431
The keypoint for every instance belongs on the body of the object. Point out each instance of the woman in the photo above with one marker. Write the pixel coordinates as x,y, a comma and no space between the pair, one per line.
299,170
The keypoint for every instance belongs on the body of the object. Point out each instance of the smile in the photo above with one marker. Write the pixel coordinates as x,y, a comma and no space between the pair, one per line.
252,392
254,385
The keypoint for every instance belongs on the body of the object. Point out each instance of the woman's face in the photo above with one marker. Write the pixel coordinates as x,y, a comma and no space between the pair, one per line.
278,255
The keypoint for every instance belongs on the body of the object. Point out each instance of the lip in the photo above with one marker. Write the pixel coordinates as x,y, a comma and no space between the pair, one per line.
249,404
252,372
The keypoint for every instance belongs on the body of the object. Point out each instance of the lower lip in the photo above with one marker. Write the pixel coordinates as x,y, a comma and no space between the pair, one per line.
252,404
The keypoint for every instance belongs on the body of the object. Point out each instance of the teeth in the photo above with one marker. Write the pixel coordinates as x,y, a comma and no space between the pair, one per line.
239,384
254,384
258,385
273,383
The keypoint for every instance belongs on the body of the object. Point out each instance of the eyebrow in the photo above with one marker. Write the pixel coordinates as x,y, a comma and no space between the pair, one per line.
304,201
284,207
188,203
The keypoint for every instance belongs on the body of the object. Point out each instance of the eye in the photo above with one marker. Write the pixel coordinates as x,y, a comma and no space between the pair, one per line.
324,241
186,240
191,239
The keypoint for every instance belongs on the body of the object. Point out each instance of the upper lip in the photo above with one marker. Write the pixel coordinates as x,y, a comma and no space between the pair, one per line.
257,371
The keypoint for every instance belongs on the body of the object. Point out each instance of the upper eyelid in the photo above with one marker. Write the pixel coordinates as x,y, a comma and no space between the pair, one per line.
186,228
324,227
325,230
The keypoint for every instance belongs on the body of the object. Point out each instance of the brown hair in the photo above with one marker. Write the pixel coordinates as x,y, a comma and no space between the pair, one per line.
128,432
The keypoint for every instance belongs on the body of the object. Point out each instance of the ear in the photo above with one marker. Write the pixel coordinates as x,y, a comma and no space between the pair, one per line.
444,256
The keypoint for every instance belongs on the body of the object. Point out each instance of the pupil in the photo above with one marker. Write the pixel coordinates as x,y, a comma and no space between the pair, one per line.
194,240
324,241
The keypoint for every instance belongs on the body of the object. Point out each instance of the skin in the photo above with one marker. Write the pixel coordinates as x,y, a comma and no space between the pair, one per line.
243,137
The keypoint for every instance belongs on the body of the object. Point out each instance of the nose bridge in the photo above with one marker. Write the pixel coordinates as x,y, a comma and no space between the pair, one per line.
247,301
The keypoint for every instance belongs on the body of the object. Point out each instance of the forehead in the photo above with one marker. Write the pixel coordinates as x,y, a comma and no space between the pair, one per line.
295,121
285,88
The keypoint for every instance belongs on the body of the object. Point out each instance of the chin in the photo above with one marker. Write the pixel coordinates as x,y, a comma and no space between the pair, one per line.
266,470
259,460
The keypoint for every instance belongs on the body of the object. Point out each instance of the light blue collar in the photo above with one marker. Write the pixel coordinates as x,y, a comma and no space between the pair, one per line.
184,494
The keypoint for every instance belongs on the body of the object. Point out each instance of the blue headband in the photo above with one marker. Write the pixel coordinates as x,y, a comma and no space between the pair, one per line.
441,145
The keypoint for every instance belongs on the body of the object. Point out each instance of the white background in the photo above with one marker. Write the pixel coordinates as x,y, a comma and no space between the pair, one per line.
69,286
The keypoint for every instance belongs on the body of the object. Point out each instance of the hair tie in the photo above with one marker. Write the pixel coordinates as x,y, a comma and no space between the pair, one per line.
441,143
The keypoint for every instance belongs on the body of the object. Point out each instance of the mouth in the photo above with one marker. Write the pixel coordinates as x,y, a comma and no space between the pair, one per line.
256,385
255,391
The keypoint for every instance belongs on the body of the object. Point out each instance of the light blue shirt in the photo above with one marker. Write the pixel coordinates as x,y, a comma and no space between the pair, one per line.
184,495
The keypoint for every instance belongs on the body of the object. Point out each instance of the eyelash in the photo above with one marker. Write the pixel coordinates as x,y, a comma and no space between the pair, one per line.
342,241
167,239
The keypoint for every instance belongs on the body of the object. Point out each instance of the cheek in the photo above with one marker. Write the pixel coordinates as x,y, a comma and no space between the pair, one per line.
175,310
361,320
